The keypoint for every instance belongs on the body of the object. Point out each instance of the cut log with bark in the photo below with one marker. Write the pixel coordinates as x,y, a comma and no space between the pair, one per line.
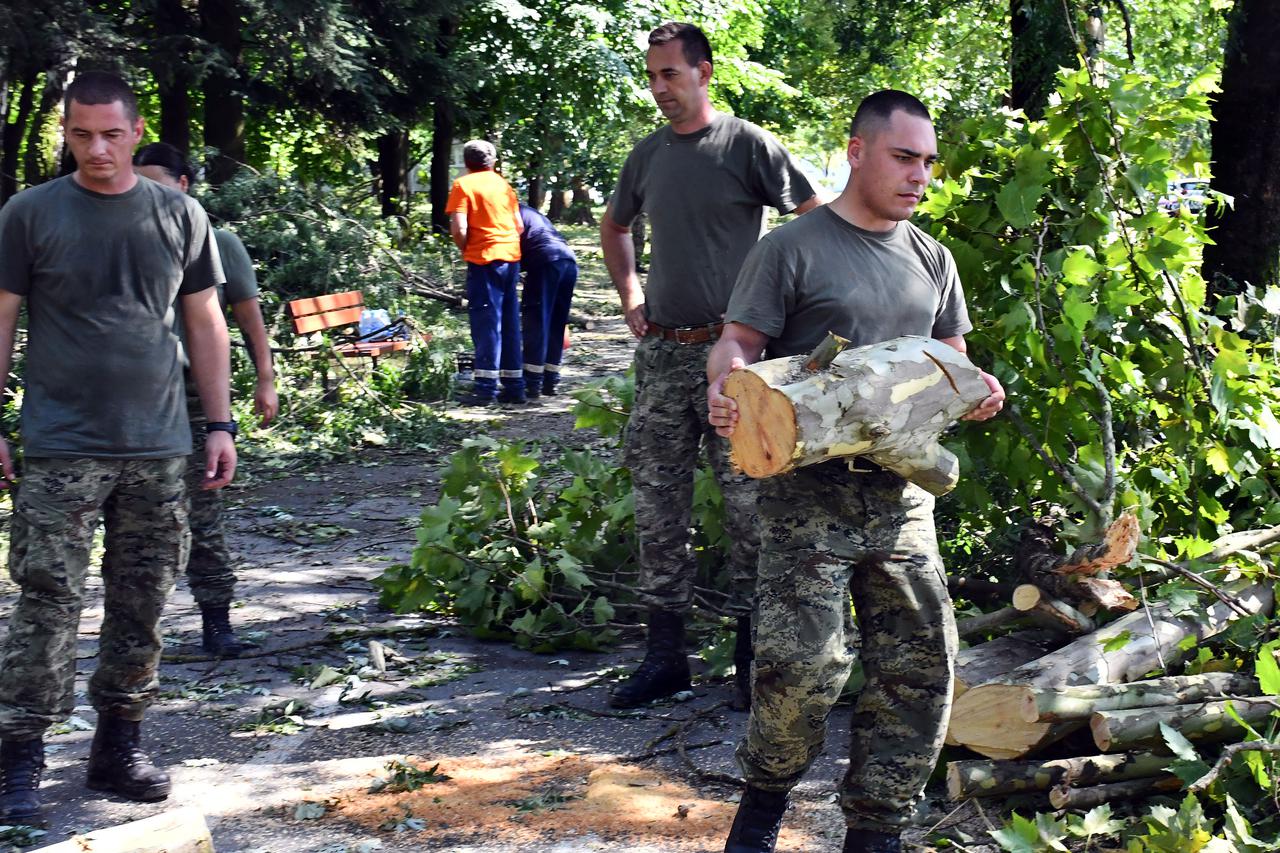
1087,798
889,402
1053,705
994,658
1204,721
178,831
971,779
1029,598
988,718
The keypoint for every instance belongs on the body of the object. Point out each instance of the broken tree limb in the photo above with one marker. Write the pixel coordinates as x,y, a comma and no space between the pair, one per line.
1242,540
178,831
988,718
889,402
1086,798
969,779
1072,578
1228,754
982,623
1080,702
1029,598
1206,721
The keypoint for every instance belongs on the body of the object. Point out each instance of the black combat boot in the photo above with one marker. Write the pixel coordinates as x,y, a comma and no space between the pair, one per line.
21,763
219,639
870,841
665,668
755,826
743,655
117,762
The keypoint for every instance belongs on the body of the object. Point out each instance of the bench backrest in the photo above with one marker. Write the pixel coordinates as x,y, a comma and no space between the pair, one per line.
326,312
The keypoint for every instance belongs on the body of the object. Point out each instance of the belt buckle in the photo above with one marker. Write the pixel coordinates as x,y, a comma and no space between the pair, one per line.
684,334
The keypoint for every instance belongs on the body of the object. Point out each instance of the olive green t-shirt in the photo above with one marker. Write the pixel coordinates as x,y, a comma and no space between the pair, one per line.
100,273
706,194
820,274
241,283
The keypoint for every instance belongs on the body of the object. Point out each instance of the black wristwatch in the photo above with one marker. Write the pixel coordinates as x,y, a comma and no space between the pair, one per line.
222,426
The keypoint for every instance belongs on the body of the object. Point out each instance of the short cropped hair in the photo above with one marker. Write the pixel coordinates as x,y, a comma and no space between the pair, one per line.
693,42
479,154
167,157
101,87
874,111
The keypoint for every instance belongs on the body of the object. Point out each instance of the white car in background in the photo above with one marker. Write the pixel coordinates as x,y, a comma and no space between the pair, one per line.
1191,193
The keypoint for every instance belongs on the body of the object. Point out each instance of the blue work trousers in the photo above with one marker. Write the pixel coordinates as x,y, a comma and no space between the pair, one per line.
494,310
544,311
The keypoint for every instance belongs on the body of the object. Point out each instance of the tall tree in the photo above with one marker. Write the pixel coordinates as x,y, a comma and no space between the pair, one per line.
1042,41
221,25
1246,153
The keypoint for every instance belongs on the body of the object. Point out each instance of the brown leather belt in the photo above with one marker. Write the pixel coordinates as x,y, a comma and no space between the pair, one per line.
686,334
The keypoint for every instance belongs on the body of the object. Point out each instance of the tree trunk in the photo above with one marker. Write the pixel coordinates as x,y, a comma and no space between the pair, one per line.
1081,702
34,169
1206,721
179,831
537,189
988,718
1245,133
580,205
14,132
223,102
556,210
971,779
986,622
888,402
1041,43
171,69
393,172
442,131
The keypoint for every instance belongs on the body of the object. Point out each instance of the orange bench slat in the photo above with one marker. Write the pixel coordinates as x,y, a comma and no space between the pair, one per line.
327,320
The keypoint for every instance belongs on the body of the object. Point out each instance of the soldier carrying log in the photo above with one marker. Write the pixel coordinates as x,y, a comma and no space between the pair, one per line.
858,269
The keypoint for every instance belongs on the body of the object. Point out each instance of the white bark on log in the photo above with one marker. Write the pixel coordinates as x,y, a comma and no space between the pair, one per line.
1051,705
971,779
1207,721
889,402
179,831
988,718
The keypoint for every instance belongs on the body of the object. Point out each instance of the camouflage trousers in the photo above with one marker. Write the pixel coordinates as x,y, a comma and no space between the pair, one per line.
56,512
668,426
826,533
209,571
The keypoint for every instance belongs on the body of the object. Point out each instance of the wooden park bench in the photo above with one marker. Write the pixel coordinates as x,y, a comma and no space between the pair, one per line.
340,311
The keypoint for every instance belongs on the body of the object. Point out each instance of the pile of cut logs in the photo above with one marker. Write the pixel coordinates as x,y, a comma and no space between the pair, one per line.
1020,692
1051,671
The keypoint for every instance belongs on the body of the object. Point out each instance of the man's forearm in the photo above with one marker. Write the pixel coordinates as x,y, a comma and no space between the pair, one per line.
10,304
721,357
210,353
248,314
620,260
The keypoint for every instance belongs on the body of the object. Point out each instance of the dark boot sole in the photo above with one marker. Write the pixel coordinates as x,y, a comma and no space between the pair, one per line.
617,701
149,794
223,652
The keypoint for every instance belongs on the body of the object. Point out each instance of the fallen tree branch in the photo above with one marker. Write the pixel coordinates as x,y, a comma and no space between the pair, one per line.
327,640
1227,599
1225,759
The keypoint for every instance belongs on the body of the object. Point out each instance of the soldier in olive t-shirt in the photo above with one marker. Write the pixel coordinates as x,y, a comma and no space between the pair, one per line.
103,369
822,274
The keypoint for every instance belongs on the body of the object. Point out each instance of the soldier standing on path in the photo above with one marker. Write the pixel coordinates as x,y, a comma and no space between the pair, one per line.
859,269
100,256
209,572
704,180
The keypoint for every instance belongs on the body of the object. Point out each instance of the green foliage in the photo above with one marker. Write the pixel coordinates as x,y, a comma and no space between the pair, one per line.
1127,390
540,549
405,777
